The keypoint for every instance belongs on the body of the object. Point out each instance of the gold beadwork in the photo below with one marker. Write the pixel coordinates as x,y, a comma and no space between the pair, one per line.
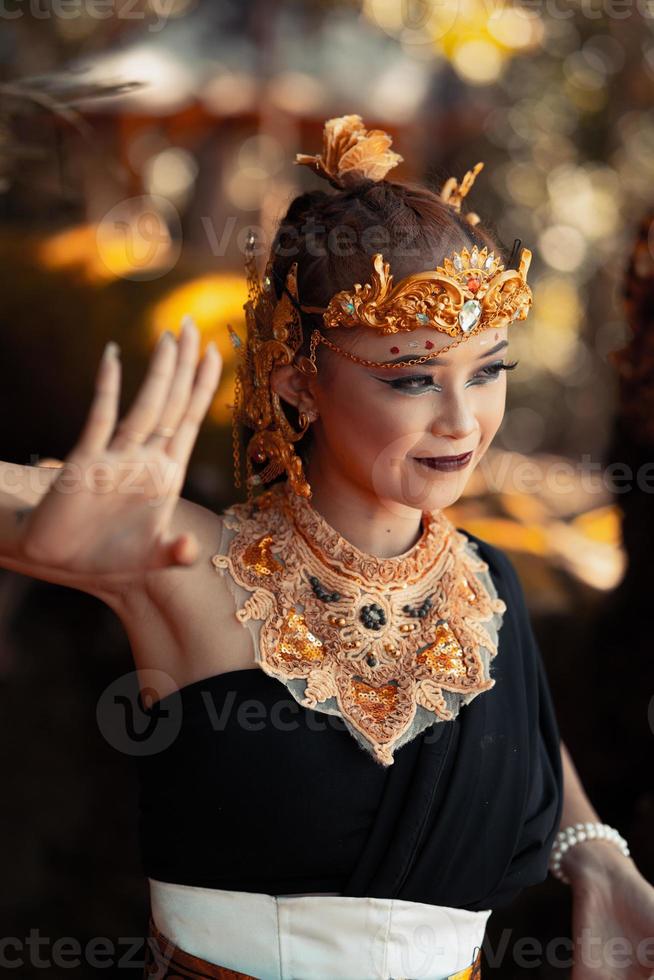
445,655
259,557
375,678
377,702
296,642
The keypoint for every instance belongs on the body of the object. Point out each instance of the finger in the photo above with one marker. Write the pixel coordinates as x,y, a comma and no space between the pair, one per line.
182,383
186,549
181,550
141,418
206,382
101,419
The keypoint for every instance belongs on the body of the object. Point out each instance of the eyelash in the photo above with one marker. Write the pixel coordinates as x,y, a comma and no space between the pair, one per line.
401,384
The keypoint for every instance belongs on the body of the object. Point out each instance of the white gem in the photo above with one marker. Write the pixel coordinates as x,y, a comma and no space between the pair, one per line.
458,263
469,314
474,257
488,264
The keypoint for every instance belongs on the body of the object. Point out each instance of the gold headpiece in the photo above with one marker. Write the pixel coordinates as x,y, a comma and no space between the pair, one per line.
351,152
470,292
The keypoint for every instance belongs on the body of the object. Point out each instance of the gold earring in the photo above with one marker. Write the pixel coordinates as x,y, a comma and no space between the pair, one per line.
306,418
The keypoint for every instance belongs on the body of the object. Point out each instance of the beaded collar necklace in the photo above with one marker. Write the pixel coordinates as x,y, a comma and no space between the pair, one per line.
391,645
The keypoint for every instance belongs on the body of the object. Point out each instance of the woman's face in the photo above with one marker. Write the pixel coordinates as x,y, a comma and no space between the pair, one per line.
375,423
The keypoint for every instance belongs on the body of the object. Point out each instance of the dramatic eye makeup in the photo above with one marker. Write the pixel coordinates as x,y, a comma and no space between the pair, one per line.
415,383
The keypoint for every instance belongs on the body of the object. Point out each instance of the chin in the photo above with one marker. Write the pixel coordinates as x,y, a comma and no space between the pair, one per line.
439,491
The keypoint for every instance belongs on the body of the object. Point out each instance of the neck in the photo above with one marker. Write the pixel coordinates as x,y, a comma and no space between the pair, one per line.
376,527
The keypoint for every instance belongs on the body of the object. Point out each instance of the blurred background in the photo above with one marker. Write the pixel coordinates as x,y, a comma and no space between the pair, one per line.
139,141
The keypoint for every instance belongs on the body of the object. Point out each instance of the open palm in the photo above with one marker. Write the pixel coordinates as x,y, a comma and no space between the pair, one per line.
108,512
613,922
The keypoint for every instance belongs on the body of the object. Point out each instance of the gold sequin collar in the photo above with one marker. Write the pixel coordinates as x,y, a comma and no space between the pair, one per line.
391,645
335,551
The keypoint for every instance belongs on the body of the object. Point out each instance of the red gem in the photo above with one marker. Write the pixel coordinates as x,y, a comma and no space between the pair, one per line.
429,344
395,350
473,284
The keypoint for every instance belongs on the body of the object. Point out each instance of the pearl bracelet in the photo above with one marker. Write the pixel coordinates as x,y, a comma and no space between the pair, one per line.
575,834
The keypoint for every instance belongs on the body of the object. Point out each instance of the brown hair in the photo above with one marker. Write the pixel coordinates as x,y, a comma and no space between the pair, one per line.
333,236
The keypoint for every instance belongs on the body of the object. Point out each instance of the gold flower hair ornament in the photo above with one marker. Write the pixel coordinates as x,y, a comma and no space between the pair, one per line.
351,152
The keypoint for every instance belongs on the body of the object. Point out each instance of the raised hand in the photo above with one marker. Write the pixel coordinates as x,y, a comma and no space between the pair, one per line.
108,512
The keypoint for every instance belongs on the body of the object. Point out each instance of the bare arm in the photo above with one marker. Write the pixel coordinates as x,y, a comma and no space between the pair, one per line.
588,857
21,488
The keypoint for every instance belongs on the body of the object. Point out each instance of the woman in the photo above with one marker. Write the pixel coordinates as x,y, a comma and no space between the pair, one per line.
359,805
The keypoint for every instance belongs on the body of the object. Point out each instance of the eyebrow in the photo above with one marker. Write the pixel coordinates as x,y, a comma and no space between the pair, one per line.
436,360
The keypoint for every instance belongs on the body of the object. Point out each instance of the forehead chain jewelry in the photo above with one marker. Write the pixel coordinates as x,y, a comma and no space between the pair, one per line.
307,365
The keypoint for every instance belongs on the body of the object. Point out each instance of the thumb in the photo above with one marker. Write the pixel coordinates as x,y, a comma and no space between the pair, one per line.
182,550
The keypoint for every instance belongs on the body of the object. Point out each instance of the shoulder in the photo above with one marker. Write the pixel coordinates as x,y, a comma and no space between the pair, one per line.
160,585
202,521
501,568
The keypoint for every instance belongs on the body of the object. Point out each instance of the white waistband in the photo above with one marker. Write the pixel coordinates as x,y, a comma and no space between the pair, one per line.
311,937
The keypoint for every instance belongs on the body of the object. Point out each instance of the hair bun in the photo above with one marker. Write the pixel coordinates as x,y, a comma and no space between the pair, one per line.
351,153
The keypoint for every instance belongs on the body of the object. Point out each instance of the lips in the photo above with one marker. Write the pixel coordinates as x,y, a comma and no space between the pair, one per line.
444,459
445,463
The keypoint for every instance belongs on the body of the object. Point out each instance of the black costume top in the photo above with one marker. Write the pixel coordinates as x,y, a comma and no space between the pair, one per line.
257,793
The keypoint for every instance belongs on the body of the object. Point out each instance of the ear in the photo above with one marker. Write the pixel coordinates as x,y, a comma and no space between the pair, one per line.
294,387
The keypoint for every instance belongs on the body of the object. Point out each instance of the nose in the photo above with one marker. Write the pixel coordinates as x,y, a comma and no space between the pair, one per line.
455,419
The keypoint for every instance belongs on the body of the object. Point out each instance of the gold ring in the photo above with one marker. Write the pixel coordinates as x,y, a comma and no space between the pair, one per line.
163,430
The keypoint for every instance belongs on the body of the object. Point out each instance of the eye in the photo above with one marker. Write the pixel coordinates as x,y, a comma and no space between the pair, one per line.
423,382
492,371
416,382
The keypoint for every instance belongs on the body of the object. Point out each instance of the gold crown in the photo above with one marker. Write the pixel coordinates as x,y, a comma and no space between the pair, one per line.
470,290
